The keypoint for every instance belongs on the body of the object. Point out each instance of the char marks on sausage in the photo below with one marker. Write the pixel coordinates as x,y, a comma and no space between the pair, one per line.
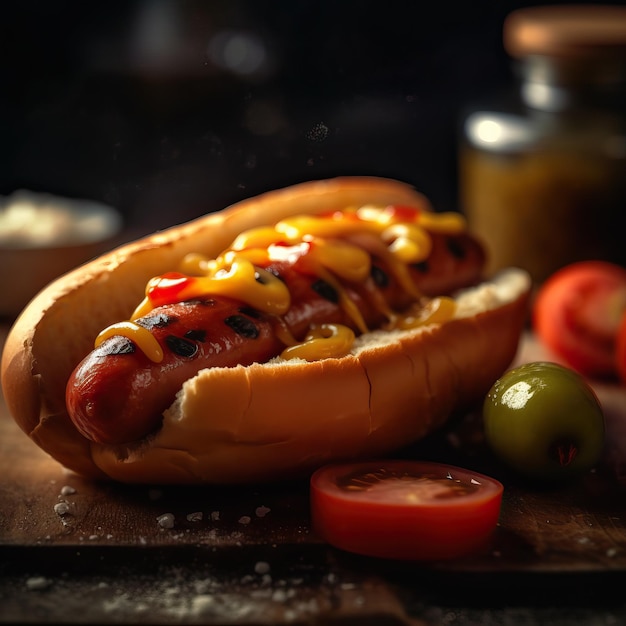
117,394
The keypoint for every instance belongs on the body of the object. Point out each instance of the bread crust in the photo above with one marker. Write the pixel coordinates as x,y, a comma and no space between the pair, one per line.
258,430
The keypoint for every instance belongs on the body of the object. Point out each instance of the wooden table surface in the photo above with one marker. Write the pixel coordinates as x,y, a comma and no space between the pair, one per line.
74,551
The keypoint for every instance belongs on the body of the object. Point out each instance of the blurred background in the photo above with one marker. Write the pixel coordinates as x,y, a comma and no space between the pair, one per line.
169,109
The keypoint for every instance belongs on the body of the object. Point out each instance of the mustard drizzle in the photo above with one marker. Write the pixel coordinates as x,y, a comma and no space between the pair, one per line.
332,247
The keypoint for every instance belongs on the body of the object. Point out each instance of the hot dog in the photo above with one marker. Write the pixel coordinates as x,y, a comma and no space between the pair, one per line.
283,346
118,395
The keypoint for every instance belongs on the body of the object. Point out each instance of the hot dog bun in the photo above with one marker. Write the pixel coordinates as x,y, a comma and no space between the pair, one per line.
266,421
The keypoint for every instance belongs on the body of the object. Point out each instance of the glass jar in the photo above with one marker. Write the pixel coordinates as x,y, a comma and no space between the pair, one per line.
543,174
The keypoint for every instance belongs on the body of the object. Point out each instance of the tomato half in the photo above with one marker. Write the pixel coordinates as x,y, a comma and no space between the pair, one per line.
576,314
400,509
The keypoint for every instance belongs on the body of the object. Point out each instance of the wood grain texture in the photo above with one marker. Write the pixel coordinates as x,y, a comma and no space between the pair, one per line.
111,553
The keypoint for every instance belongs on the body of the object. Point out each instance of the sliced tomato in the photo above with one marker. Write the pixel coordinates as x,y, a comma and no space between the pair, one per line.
576,314
400,509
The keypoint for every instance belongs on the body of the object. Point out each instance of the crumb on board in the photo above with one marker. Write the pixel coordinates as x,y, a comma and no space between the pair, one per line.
166,520
37,583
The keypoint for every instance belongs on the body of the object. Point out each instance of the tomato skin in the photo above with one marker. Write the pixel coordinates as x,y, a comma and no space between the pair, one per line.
391,522
576,315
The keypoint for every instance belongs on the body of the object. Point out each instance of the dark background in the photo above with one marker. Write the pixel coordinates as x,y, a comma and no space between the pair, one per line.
167,110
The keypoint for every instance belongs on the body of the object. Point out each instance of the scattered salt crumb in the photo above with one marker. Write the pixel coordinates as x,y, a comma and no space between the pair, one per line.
37,583
262,567
202,587
166,520
215,516
202,602
143,541
93,537
172,591
279,595
67,490
611,552
62,508
195,517
262,511
245,519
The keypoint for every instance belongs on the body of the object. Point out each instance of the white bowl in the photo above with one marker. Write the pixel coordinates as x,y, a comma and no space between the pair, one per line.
44,236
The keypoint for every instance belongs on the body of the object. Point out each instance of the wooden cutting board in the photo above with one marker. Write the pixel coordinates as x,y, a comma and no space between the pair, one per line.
107,553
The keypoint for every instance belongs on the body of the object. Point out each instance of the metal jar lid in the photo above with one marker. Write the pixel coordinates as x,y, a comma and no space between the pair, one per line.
567,31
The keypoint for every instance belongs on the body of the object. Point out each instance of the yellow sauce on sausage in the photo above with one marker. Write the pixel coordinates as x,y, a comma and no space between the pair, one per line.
335,247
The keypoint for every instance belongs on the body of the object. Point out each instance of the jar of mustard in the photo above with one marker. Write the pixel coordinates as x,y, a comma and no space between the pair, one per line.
543,173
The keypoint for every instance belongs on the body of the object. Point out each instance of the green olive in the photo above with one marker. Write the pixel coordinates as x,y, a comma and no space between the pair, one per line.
544,421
